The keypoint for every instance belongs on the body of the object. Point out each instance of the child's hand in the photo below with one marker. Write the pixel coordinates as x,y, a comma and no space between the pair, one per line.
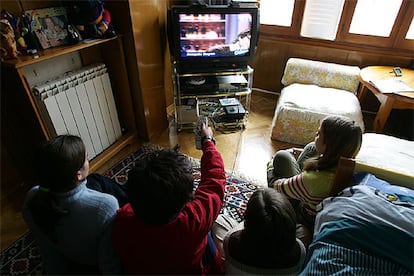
295,152
206,131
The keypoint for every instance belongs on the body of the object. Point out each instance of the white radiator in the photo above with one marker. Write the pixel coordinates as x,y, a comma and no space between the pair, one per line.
81,103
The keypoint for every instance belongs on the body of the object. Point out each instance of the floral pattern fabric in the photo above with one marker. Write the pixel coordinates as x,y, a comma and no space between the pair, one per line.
314,90
323,74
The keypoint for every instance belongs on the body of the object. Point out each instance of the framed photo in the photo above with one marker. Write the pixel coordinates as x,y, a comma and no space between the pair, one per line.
50,26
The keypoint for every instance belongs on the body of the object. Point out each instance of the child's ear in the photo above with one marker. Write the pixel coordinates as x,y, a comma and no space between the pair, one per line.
79,176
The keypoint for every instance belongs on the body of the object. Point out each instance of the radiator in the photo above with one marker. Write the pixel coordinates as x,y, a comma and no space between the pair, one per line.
81,103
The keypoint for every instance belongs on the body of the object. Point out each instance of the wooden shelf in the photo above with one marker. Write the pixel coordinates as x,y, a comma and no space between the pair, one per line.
109,153
50,53
33,112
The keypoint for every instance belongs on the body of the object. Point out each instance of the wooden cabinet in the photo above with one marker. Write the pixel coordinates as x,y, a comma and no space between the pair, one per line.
136,65
26,71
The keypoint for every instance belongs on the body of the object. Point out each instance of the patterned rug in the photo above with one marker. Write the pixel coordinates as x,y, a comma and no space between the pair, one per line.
22,258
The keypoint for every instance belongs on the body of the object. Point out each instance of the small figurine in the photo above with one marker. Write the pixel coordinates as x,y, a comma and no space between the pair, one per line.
91,18
18,28
8,42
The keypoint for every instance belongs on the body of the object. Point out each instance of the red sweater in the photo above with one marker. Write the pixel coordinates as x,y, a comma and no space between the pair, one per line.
176,247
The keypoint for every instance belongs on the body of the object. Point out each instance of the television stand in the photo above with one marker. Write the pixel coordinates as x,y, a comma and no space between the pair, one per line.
223,96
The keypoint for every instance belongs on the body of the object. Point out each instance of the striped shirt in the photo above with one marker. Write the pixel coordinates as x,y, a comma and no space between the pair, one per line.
335,259
310,187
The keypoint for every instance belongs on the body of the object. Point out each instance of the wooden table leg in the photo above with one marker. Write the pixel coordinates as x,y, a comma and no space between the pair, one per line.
383,114
361,93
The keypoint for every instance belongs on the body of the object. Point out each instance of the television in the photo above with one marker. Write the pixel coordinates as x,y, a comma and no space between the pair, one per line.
212,38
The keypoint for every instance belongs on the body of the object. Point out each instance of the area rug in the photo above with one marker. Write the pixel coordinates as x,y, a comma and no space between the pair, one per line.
22,258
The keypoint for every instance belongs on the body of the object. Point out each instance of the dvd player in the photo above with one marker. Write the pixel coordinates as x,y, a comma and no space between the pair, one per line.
233,83
198,85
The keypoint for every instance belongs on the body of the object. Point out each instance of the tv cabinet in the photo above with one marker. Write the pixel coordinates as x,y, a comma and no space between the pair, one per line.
222,96
26,71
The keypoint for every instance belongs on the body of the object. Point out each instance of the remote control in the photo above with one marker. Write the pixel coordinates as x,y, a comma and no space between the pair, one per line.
200,121
397,71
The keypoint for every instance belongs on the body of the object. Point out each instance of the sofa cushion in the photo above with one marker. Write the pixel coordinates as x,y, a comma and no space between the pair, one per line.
389,158
320,73
301,107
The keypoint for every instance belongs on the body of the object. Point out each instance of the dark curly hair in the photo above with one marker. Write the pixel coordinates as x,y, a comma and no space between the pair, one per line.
159,185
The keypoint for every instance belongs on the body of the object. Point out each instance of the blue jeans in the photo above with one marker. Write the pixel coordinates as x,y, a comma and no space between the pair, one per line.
106,185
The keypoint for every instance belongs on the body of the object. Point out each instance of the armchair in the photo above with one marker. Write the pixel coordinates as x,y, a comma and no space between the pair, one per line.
313,90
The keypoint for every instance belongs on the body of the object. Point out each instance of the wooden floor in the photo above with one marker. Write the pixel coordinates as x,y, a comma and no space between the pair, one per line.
244,152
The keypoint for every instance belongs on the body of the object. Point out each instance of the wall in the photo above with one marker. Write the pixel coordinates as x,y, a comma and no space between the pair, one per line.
143,24
272,54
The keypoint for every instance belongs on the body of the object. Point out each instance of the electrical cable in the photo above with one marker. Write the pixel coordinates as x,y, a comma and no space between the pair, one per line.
239,145
265,91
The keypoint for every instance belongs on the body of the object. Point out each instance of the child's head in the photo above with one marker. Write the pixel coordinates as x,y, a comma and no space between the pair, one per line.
269,220
61,163
337,136
159,185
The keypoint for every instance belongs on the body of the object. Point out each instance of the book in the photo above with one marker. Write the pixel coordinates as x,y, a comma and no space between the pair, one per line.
391,86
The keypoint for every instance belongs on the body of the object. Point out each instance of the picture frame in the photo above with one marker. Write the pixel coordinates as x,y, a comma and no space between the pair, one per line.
50,26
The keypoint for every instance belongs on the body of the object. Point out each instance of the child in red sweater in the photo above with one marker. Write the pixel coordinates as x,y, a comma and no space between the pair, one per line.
165,229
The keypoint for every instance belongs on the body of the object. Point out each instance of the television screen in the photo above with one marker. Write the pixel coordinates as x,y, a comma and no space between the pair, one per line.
212,36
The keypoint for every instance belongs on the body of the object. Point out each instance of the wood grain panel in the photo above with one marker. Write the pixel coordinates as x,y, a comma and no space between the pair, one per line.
142,25
272,54
149,53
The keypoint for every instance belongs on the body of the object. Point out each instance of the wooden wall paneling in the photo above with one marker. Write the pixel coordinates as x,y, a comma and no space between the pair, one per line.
17,7
150,58
268,65
303,51
90,56
394,60
40,4
404,27
272,54
335,55
168,87
140,24
354,57
169,91
12,6
120,14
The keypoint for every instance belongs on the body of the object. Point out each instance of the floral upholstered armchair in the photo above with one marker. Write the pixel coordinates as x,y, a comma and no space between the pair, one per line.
313,90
